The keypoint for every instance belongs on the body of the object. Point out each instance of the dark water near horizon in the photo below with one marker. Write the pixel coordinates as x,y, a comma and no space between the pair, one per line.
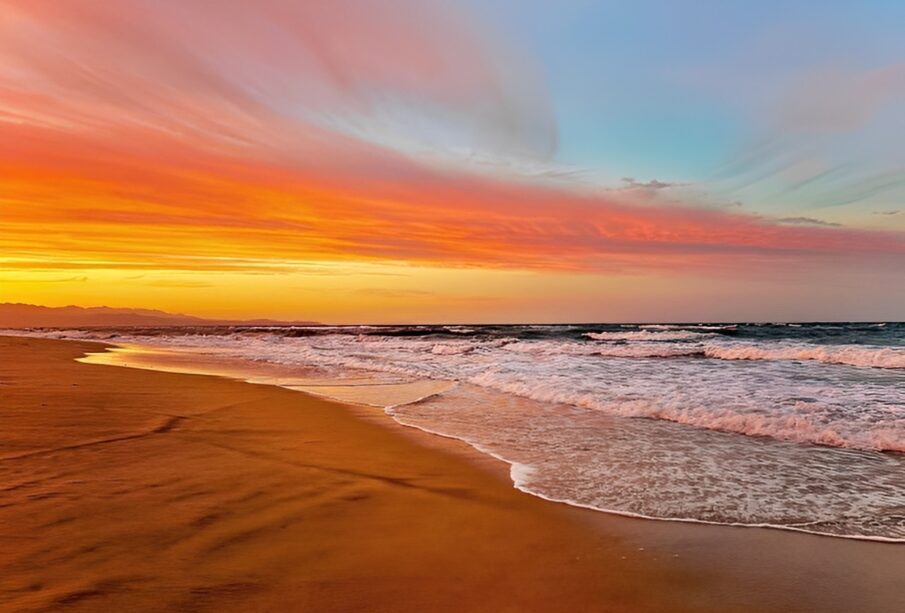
799,426
871,333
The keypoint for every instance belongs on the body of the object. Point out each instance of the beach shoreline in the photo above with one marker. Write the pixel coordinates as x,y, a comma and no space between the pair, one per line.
299,377
153,490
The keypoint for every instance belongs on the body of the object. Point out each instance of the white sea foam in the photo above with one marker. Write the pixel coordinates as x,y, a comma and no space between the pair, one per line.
646,335
661,470
852,355
646,346
691,327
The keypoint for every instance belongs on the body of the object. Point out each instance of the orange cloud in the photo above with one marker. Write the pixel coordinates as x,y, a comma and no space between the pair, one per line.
248,136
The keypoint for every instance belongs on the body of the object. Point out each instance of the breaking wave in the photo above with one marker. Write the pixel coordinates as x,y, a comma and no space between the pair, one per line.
803,420
850,355
645,335
870,357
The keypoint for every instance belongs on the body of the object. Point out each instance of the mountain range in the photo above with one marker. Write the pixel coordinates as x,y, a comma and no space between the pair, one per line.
16,315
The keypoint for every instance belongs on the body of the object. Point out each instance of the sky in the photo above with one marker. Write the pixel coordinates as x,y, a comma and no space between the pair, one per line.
423,161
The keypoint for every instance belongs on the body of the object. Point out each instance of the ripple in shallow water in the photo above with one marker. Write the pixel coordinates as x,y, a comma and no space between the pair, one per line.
665,470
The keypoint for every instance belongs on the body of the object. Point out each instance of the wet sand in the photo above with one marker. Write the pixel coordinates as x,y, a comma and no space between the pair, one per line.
127,489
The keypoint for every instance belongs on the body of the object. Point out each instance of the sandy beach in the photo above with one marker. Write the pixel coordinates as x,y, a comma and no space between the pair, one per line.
127,489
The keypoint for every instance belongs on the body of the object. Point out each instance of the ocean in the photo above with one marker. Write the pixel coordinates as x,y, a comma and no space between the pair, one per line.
782,425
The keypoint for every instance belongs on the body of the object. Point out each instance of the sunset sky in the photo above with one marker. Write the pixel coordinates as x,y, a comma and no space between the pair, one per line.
409,160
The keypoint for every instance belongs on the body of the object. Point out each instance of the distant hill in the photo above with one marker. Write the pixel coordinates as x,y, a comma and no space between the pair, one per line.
14,315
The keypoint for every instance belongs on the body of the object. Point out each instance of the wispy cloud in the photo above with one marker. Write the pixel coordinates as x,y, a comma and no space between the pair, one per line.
632,183
180,283
830,138
807,221
211,136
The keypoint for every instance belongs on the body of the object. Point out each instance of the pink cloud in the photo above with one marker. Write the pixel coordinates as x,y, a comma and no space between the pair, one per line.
202,132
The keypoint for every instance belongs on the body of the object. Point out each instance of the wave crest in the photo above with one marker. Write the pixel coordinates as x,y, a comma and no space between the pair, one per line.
851,355
646,335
